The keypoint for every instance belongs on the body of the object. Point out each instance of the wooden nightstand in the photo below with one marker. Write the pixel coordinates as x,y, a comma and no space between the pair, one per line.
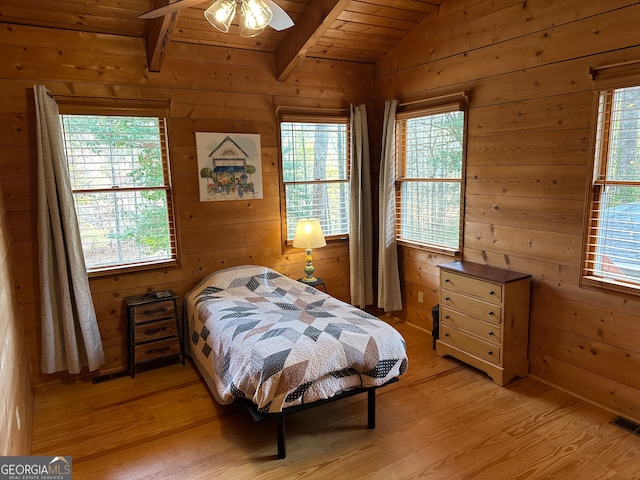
153,328
318,283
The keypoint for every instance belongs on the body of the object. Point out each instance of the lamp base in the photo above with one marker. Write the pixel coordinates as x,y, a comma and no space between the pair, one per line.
308,280
308,269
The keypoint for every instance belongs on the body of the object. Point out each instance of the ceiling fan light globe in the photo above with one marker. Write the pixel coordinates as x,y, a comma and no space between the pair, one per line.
220,14
255,15
247,32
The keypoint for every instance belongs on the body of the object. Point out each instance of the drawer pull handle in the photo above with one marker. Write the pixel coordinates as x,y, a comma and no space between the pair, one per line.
446,334
490,333
491,312
157,310
446,280
491,292
447,316
490,352
158,350
153,331
446,299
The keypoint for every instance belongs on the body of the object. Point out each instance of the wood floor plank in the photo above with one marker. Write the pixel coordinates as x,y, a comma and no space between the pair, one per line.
443,420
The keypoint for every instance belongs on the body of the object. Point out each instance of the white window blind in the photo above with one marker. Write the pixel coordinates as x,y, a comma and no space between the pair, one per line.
119,173
315,173
429,187
612,236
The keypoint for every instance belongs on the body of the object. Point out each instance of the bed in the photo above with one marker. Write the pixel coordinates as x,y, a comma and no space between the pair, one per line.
281,346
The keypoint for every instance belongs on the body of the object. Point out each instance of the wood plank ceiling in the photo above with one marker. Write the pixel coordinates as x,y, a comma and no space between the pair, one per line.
349,30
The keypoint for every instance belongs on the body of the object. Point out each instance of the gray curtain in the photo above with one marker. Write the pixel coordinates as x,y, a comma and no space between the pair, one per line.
70,334
389,293
360,231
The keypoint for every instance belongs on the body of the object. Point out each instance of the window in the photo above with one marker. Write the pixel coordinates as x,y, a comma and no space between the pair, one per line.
119,174
429,188
315,173
612,234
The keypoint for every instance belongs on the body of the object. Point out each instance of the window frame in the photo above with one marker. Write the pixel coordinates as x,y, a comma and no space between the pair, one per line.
423,108
311,117
605,80
96,106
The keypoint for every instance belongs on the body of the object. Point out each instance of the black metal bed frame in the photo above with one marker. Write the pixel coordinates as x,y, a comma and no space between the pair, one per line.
279,416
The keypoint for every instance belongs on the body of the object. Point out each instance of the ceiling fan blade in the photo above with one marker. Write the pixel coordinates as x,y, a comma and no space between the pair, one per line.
281,19
170,8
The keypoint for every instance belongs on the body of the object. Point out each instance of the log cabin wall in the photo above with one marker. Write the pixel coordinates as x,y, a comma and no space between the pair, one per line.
211,90
525,64
16,393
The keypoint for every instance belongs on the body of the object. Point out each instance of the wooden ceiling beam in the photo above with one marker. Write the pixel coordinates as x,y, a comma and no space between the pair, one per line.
313,23
158,36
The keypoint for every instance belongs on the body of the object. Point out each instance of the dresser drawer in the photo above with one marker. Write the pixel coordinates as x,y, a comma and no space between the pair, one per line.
155,330
474,346
160,349
478,288
153,311
477,308
486,331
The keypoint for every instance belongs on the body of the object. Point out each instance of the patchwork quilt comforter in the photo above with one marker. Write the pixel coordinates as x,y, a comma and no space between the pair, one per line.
257,334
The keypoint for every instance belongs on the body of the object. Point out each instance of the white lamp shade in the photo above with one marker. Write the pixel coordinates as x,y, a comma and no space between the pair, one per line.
309,234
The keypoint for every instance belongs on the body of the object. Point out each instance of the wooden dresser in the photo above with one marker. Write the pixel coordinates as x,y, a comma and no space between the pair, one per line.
153,328
484,318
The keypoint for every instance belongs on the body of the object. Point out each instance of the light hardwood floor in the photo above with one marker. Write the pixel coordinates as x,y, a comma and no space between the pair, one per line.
443,420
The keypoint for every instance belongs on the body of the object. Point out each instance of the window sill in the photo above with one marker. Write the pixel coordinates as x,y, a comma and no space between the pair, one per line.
288,247
597,283
137,268
430,248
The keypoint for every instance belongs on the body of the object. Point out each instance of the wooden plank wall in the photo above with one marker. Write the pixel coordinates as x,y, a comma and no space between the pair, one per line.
212,90
16,392
525,64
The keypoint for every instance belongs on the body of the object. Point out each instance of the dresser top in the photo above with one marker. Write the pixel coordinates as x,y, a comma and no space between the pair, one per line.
494,274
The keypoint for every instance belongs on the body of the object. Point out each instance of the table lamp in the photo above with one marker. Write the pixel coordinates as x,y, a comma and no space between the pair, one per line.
309,236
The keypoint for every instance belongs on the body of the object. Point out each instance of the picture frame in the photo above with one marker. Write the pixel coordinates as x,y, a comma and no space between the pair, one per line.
229,166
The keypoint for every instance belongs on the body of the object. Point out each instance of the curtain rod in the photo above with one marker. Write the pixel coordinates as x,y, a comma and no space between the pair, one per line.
112,100
433,99
614,65
310,109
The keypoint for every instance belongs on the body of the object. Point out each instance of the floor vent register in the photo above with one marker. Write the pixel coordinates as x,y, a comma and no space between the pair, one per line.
627,425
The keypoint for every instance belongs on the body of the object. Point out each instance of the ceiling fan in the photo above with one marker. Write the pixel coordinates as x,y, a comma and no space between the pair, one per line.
254,15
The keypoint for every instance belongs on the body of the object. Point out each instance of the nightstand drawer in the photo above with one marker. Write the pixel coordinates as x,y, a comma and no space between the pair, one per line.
153,311
477,308
155,350
486,331
472,345
471,286
154,330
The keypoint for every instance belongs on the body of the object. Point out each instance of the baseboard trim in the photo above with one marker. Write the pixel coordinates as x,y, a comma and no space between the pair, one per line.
585,399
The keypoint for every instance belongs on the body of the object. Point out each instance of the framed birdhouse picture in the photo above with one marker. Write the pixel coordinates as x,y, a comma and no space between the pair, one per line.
229,166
